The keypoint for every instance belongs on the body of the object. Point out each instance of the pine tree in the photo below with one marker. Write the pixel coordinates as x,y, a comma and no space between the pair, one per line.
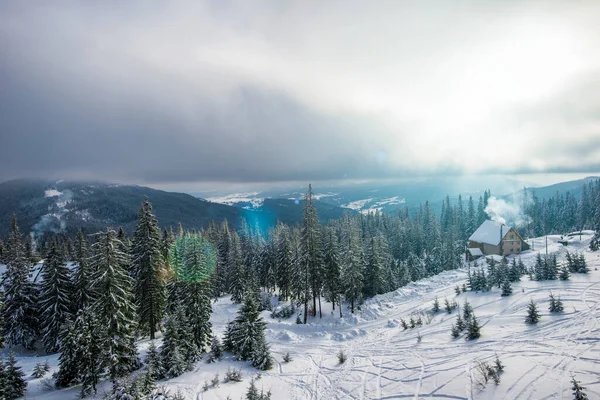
533,315
237,270
55,297
245,336
460,323
2,379
148,266
114,304
21,294
473,328
448,306
14,381
506,288
312,259
578,390
2,324
332,270
454,331
174,361
467,310
261,356
153,361
436,305
80,360
216,350
556,305
352,272
564,273
82,294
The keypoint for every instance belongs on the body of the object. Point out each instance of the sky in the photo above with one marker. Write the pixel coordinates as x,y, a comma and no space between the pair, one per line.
223,92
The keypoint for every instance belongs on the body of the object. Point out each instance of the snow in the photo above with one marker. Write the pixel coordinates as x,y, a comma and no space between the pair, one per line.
52,193
358,204
234,198
386,362
489,232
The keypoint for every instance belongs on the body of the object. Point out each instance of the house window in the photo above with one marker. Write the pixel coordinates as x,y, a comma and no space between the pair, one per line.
512,236
511,250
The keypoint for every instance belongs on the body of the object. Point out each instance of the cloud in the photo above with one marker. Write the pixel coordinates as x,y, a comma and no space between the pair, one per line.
266,91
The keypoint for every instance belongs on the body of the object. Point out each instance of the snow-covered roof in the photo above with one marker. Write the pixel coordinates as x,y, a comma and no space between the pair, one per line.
475,252
489,232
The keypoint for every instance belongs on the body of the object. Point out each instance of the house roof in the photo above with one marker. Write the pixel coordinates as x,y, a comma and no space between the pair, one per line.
489,232
475,252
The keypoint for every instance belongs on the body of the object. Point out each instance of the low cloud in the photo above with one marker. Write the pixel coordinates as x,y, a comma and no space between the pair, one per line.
156,92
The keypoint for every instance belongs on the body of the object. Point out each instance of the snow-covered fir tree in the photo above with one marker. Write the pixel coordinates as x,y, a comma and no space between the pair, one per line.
237,270
556,305
331,259
153,361
55,303
216,350
533,316
81,357
148,267
114,305
473,328
506,288
179,351
245,335
312,257
353,263
82,293
13,379
578,390
21,315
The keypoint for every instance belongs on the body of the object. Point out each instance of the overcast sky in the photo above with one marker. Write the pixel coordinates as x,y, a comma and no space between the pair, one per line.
176,93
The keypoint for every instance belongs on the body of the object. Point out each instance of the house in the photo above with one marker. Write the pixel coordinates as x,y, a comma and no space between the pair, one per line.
495,238
473,253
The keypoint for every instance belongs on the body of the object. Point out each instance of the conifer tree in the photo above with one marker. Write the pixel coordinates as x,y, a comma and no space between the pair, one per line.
352,272
564,273
506,288
82,293
578,390
467,310
81,357
14,382
533,315
454,331
245,336
176,355
21,294
153,361
312,260
556,305
237,270
436,305
55,297
473,328
460,323
114,303
2,379
332,270
2,325
148,266
216,350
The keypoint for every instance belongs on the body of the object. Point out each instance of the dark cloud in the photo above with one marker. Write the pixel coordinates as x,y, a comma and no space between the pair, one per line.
155,92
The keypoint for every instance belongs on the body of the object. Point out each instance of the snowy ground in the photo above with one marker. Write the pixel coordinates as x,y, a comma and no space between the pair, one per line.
386,362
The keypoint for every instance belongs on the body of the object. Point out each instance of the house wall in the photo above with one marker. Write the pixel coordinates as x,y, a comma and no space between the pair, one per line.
511,243
489,249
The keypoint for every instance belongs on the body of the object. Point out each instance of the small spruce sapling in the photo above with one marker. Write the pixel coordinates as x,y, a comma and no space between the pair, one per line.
578,390
436,305
533,316
460,323
506,288
457,290
454,331
473,328
287,358
342,357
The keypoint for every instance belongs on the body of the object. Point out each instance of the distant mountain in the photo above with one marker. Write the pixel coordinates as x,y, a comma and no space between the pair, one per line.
367,197
573,187
44,207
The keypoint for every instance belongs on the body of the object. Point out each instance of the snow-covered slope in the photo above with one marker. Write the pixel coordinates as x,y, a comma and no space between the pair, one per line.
386,362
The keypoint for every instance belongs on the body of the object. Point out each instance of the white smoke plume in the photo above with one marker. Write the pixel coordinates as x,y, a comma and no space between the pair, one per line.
507,212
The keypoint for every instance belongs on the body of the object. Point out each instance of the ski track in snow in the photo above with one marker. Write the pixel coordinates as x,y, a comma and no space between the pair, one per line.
386,362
